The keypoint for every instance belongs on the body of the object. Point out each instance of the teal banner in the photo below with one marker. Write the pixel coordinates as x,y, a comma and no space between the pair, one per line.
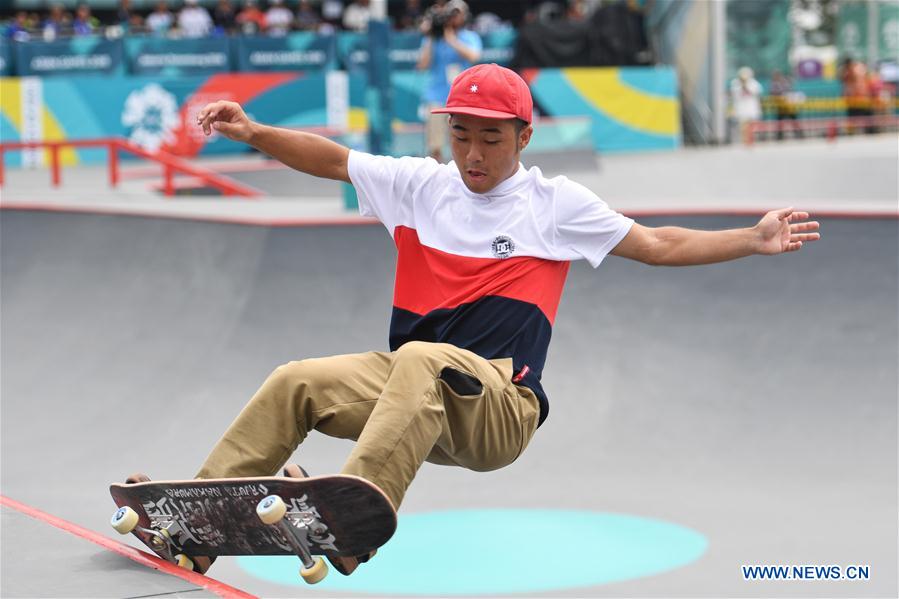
352,49
76,56
173,57
5,58
888,30
499,46
852,30
294,52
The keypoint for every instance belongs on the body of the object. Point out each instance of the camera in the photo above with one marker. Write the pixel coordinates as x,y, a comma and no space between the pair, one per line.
436,19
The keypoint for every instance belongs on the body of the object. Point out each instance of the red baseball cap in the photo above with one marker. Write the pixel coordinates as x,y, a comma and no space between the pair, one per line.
490,91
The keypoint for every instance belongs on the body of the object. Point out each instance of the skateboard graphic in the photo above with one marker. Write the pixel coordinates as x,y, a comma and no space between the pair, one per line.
337,516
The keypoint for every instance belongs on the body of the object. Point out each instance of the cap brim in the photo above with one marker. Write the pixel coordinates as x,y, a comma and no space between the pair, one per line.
482,112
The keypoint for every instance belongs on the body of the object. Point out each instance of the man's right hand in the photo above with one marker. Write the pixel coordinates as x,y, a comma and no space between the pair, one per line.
228,118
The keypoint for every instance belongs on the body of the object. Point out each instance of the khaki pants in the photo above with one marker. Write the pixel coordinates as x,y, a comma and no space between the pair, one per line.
425,401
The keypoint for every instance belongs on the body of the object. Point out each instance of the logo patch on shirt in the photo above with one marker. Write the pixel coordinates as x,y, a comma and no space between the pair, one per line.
503,247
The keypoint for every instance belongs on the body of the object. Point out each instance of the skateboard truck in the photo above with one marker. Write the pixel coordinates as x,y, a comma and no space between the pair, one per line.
125,520
295,527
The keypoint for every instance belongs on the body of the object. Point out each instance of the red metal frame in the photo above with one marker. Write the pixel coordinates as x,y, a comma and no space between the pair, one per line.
171,164
831,126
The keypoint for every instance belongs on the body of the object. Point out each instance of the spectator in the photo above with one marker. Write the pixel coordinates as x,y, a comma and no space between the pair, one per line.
332,10
57,23
745,98
159,22
85,23
224,16
194,20
856,88
124,13
18,29
447,50
278,19
136,24
577,11
786,103
357,15
251,20
412,15
307,19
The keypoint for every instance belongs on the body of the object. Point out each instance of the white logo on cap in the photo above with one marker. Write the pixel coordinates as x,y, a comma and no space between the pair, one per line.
473,89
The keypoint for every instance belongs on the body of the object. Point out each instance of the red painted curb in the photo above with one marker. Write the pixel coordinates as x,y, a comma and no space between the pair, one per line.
151,561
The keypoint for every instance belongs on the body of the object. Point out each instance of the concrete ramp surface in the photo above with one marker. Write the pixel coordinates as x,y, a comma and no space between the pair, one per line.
752,404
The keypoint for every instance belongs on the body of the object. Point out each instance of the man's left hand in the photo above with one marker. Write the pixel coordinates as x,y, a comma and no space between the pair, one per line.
785,230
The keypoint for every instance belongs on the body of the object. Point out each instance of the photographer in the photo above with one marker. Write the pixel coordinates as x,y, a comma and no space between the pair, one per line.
447,50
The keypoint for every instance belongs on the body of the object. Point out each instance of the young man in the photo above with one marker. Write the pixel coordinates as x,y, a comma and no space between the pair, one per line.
483,250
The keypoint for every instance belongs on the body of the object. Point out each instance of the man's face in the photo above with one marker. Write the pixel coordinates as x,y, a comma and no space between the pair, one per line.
486,151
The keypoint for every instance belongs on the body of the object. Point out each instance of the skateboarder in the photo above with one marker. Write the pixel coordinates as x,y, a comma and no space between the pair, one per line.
484,247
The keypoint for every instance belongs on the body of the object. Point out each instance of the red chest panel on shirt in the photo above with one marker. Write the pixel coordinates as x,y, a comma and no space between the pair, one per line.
428,279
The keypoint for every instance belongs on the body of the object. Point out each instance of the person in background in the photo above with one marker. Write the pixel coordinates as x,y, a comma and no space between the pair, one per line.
250,19
332,10
447,49
224,16
136,24
856,92
357,15
307,19
745,99
278,19
786,103
412,15
577,11
18,29
194,20
57,23
85,23
124,13
159,22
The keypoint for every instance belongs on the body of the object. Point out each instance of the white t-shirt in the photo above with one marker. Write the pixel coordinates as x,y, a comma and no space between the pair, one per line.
484,272
194,21
553,219
278,20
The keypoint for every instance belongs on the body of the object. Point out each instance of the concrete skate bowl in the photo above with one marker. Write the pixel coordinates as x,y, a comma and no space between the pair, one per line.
748,402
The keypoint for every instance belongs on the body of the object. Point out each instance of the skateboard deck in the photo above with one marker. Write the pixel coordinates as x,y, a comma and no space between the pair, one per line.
335,515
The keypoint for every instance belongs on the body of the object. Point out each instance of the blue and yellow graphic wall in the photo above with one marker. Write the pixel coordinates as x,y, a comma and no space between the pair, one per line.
631,109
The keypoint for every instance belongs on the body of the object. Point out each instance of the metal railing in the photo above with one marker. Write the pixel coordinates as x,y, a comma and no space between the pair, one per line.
171,164
828,127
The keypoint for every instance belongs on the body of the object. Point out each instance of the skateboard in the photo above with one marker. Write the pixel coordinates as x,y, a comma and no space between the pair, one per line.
336,516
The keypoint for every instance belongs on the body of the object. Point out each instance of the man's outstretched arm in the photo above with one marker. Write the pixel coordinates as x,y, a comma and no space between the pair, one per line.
302,151
778,232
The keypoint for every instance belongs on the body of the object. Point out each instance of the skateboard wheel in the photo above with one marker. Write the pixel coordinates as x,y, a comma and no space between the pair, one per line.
316,573
271,509
124,520
184,562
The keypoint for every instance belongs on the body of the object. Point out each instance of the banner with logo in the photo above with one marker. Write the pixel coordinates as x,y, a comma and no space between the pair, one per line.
178,57
75,56
628,108
499,46
153,112
405,49
6,66
294,52
852,30
888,30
